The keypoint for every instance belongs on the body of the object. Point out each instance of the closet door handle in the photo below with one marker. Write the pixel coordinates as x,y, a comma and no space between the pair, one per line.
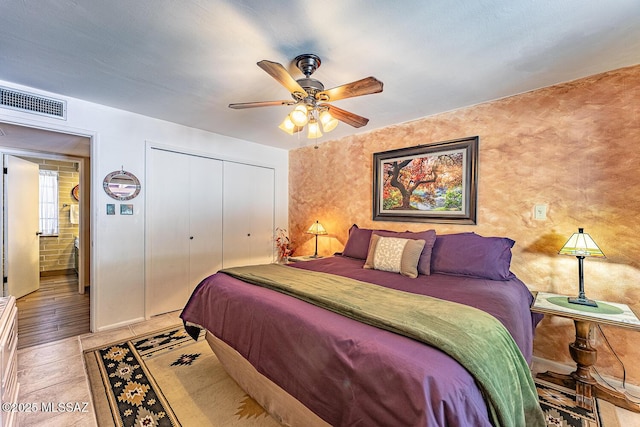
190,237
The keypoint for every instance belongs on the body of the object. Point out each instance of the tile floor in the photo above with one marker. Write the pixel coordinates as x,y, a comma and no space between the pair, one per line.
54,373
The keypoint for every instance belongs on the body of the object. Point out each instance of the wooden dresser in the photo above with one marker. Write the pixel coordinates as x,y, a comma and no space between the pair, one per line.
8,360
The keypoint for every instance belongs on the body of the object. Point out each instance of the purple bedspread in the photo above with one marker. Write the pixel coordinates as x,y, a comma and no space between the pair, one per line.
349,373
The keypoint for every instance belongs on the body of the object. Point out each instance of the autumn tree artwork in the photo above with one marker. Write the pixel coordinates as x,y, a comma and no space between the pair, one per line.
431,182
427,183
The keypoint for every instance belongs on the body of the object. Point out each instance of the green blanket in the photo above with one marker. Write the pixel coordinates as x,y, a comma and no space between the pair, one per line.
477,340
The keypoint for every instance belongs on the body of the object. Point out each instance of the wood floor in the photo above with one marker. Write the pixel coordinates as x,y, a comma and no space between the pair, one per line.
53,312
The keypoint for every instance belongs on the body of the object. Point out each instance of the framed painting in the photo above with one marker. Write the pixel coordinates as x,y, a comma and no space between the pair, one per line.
427,183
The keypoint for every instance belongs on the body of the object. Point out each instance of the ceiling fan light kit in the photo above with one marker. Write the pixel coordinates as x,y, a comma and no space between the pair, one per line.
329,123
310,98
300,115
288,126
313,129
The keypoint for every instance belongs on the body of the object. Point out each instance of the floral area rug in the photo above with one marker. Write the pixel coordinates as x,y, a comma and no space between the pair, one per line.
560,410
167,379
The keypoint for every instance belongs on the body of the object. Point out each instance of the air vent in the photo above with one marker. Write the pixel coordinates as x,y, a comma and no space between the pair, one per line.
36,104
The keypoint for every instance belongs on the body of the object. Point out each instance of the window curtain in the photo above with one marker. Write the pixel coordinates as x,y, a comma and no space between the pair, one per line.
48,202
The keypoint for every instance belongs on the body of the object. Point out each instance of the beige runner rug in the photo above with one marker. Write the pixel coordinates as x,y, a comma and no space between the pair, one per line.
167,379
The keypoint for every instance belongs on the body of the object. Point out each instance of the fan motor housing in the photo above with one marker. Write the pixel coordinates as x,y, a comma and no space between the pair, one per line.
307,63
312,86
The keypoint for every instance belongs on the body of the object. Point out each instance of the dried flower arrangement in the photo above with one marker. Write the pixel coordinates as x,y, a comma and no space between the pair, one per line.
283,244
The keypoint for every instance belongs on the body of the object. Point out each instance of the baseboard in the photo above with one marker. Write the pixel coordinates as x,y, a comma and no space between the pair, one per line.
120,325
63,272
541,365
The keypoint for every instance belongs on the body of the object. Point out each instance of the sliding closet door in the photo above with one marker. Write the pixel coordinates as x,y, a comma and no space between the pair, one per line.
184,234
248,214
205,219
167,233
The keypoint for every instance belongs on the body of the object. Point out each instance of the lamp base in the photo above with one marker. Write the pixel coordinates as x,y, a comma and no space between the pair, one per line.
582,301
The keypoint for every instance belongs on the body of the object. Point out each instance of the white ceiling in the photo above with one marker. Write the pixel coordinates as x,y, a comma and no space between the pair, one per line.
185,61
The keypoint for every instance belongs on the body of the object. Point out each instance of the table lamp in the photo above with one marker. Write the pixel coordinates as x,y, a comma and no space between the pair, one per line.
316,228
581,245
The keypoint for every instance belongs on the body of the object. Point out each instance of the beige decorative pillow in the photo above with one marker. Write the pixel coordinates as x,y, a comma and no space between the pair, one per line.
394,254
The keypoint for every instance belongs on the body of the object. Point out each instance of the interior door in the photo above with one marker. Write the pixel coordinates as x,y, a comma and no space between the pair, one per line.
262,222
205,219
168,231
248,215
22,250
184,206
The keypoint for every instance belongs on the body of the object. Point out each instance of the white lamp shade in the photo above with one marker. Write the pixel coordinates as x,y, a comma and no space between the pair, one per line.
316,228
314,129
299,116
329,123
288,126
581,244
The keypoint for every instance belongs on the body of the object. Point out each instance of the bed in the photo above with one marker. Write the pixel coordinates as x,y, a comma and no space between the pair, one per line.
310,364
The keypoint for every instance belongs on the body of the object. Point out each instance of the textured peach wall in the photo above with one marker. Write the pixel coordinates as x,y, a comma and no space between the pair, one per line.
574,147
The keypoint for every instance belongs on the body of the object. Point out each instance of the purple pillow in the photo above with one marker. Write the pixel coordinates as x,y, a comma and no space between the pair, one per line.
429,237
469,254
357,245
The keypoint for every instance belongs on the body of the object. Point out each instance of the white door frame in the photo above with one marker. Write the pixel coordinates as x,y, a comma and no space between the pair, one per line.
91,248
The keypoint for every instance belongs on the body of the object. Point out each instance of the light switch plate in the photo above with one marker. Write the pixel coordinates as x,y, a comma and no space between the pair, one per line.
540,212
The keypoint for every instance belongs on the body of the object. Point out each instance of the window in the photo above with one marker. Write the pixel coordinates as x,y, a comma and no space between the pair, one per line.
49,203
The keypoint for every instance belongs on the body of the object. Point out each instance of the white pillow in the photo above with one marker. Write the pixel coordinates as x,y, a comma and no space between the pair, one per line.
394,254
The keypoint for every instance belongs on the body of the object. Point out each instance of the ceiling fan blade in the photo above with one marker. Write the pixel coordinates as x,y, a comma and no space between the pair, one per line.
278,72
242,105
345,116
364,86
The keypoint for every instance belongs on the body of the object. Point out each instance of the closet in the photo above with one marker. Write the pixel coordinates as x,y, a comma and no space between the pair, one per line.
202,214
248,215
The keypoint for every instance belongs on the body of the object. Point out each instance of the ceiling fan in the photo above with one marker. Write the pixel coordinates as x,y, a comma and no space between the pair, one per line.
311,99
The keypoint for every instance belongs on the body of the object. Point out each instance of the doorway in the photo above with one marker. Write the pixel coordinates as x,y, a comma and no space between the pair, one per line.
59,239
57,147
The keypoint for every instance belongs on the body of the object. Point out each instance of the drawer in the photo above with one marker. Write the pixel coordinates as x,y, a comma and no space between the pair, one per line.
7,311
13,329
10,377
8,343
11,393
